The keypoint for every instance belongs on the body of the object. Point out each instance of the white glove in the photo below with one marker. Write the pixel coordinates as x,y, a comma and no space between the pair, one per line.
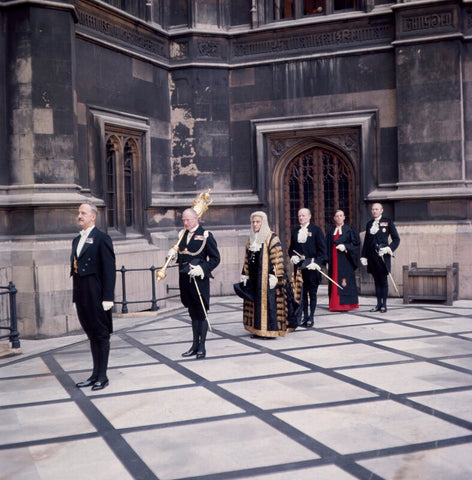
272,281
341,247
243,279
385,251
196,271
295,259
172,254
313,266
107,305
364,261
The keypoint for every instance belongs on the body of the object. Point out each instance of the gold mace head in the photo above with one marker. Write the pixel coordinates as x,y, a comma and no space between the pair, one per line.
200,206
202,202
160,274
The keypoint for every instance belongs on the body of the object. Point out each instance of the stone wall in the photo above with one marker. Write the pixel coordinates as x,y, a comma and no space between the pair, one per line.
430,245
202,94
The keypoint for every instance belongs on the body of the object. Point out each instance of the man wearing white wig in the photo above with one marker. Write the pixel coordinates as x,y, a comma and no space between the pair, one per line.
264,276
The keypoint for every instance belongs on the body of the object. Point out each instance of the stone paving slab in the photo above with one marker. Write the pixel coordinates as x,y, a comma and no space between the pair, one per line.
360,396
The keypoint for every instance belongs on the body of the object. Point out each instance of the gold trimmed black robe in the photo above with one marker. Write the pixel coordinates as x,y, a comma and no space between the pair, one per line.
267,316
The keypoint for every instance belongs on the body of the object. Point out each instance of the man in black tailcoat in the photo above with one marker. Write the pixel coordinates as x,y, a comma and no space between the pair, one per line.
308,252
93,272
198,256
377,252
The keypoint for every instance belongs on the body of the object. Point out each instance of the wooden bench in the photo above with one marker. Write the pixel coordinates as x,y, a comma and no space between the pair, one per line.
430,284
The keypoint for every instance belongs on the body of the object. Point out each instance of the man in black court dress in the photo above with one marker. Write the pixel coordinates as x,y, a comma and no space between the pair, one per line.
198,256
380,241
94,272
308,253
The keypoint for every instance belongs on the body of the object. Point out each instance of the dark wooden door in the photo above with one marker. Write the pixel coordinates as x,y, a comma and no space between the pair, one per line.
321,180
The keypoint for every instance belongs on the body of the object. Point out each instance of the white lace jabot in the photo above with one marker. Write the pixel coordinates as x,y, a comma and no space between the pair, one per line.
302,234
375,226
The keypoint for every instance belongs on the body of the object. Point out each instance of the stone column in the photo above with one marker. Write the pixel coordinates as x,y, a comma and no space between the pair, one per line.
41,94
429,94
38,206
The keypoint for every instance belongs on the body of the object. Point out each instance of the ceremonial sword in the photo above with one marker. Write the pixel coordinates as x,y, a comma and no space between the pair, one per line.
391,277
322,273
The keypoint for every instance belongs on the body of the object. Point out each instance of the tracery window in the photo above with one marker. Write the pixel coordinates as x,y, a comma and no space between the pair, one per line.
123,184
321,180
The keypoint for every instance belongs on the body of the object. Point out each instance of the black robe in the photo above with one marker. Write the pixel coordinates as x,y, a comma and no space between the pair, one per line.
347,263
267,315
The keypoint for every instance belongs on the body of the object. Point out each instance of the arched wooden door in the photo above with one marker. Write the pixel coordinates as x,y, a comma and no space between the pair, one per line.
322,180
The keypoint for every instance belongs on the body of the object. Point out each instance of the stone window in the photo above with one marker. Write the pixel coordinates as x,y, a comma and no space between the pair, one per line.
120,156
137,8
123,173
294,9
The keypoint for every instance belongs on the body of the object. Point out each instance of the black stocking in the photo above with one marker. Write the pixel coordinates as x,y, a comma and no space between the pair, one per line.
203,335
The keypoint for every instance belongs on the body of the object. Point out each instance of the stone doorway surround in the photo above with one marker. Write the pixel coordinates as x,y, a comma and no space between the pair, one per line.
277,141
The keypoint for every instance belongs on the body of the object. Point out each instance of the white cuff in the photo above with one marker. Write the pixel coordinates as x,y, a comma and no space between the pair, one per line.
107,305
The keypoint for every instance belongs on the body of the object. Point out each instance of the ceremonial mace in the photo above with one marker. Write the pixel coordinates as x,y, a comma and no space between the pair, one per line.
200,205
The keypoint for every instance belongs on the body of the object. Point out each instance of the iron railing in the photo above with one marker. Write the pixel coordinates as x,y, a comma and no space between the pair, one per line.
11,291
13,334
153,300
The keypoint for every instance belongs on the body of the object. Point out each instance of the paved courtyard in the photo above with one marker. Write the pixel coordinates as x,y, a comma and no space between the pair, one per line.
360,396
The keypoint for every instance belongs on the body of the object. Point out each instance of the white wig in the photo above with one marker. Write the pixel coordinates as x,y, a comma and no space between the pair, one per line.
260,236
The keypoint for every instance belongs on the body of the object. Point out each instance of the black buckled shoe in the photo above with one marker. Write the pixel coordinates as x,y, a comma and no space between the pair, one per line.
189,353
375,309
86,383
201,355
100,385
383,309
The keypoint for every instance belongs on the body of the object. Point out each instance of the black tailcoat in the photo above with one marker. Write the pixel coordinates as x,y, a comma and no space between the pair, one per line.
314,247
94,275
372,244
201,250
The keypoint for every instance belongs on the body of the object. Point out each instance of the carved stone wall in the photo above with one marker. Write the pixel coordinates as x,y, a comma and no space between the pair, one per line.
224,94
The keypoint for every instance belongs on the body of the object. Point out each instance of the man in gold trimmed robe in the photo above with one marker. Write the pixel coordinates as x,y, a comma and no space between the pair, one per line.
263,275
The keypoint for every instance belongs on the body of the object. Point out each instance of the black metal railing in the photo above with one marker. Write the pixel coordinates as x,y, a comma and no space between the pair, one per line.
153,300
13,334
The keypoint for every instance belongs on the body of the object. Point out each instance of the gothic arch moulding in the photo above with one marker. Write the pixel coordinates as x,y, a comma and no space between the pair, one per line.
350,135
